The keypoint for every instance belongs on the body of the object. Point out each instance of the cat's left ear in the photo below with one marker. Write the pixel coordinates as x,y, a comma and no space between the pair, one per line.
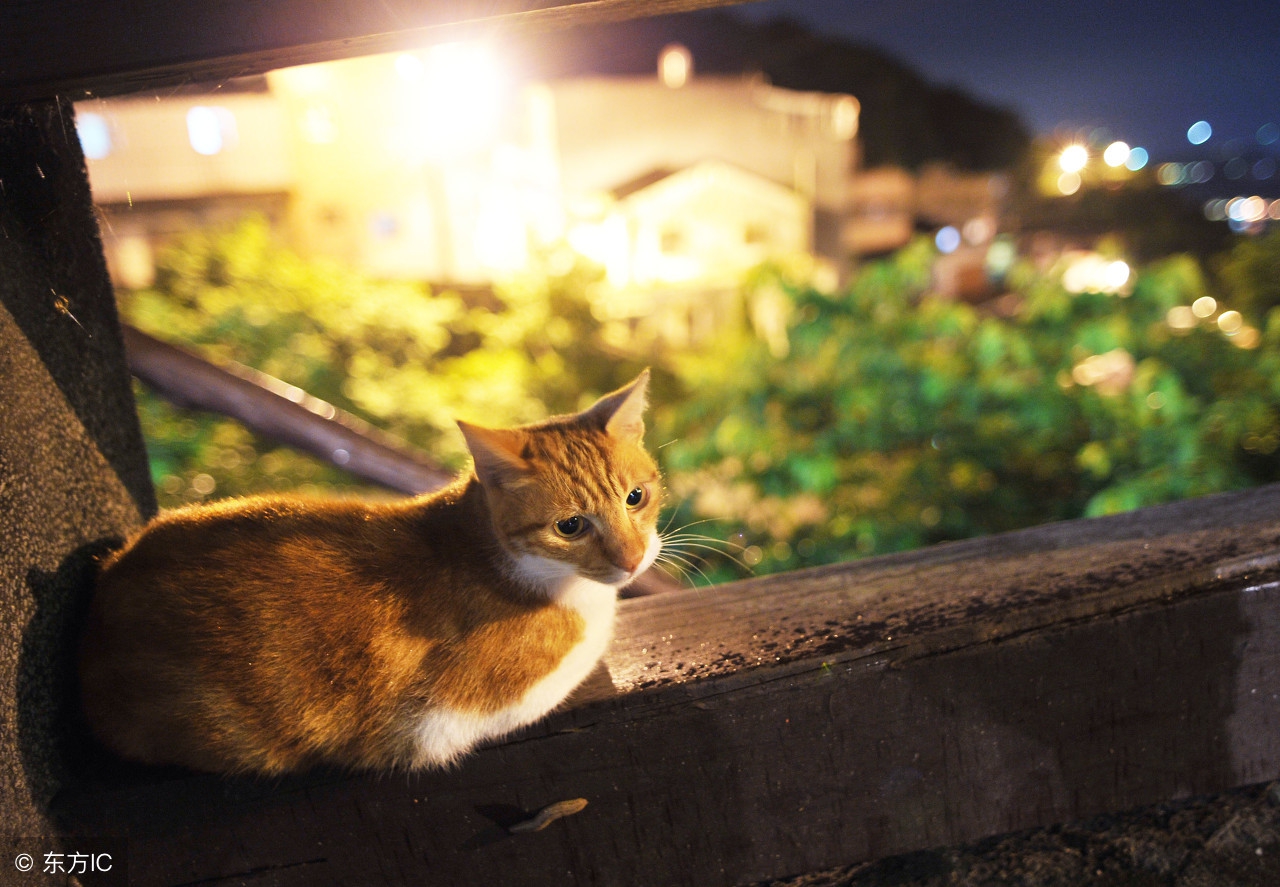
622,412
497,454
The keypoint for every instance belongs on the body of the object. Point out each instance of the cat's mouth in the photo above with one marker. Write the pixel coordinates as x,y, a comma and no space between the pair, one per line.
651,552
618,576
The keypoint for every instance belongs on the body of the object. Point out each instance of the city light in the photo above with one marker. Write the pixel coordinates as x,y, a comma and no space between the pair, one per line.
1117,154
459,89
1088,272
1073,158
94,134
210,130
675,66
1247,209
1137,159
1174,174
1199,132
1204,306
947,239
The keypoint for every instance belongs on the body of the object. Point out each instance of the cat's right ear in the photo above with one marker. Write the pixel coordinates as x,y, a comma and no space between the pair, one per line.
497,454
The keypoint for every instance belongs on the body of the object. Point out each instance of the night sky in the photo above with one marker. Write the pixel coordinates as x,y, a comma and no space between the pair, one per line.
1143,70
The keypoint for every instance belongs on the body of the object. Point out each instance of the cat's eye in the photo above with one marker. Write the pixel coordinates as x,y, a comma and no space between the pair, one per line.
637,497
570,526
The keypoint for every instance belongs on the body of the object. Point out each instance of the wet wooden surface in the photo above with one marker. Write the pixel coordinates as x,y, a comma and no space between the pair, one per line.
800,722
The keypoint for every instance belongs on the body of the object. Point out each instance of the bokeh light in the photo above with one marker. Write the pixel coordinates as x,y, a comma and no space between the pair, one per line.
1216,210
947,239
94,134
1268,134
1204,306
675,65
1247,338
1247,209
1199,132
1117,154
210,130
460,89
1069,183
1171,174
1116,275
1073,158
978,230
1181,318
1137,159
1089,272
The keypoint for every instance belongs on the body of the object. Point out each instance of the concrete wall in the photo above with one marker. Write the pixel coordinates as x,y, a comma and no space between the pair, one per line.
73,472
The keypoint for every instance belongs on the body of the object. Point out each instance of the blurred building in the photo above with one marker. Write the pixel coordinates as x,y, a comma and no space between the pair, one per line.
888,205
434,166
430,166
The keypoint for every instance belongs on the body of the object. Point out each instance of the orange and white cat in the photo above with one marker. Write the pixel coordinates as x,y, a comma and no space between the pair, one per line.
271,634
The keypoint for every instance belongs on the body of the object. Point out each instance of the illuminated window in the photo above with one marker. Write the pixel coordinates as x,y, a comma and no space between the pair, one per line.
211,130
844,117
675,66
95,135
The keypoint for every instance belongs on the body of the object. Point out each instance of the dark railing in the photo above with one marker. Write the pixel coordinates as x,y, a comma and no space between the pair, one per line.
283,412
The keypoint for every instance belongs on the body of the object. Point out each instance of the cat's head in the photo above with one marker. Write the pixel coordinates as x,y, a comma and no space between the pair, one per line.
575,495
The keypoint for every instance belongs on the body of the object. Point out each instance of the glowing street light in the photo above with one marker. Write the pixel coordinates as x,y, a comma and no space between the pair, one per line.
1073,158
454,94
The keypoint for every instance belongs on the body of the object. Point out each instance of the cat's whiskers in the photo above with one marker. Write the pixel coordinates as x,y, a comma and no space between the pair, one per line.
679,542
680,565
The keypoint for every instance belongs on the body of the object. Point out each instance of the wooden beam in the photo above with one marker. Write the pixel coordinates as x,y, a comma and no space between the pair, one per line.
795,723
73,48
282,412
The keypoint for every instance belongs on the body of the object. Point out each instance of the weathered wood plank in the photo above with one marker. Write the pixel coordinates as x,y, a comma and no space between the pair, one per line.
999,684
52,47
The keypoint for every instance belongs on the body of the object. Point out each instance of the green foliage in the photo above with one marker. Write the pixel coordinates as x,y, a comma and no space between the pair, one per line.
895,419
1251,271
899,419
398,355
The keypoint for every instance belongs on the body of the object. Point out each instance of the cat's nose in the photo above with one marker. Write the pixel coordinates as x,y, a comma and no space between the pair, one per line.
629,558
631,562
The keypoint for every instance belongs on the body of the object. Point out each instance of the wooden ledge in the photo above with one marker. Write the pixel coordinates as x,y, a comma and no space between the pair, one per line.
799,722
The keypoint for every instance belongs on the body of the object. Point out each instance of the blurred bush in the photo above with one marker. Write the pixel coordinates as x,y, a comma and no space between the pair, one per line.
898,419
892,418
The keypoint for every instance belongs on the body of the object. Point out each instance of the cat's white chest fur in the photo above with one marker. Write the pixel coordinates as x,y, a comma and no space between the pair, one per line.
442,735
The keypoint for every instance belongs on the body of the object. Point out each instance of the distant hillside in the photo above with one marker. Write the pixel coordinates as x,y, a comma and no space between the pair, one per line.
905,120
